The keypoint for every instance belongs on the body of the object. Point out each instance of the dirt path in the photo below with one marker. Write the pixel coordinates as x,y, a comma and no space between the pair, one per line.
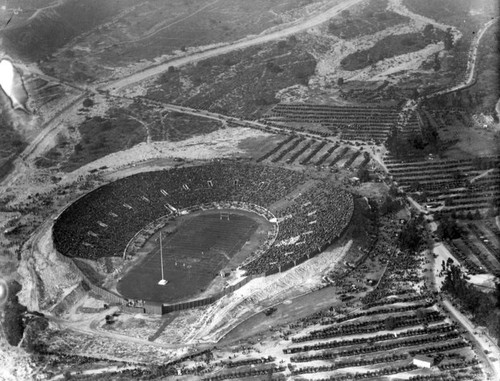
40,10
86,327
146,127
90,372
295,28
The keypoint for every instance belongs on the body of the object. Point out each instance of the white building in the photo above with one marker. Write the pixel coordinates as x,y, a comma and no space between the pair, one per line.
423,361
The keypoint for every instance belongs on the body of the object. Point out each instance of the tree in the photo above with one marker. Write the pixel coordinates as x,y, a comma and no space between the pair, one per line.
428,30
302,75
390,323
273,67
448,229
88,102
12,321
421,313
390,205
332,27
363,175
437,63
282,44
410,237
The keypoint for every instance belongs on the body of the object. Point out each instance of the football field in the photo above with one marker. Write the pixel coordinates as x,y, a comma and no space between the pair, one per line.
193,255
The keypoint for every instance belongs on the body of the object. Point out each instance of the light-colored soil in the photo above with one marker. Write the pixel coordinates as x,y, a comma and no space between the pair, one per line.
485,280
224,314
221,143
15,363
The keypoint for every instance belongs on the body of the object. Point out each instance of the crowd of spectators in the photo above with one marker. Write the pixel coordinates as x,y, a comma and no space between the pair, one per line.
306,226
101,223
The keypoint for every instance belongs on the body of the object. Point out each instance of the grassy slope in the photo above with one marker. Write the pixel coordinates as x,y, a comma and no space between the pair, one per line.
182,24
468,16
118,130
390,46
487,88
99,137
367,20
41,36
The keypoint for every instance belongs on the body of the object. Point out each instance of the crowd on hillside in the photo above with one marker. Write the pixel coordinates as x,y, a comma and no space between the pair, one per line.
101,223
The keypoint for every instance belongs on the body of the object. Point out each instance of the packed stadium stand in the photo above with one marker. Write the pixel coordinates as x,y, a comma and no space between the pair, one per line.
101,223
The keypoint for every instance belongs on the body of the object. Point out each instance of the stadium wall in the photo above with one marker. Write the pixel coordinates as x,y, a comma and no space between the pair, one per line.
133,310
151,307
160,309
206,301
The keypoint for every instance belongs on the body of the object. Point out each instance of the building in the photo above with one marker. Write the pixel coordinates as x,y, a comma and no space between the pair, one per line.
423,361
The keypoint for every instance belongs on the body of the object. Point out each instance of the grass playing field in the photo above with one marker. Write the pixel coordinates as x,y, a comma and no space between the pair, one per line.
193,255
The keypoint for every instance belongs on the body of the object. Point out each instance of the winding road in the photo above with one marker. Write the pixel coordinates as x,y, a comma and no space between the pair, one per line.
471,63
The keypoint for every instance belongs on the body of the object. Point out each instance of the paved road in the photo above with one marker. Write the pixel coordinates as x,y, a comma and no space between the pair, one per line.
471,63
482,340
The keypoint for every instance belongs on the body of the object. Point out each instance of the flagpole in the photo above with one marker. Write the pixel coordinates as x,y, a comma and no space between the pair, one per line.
161,258
162,282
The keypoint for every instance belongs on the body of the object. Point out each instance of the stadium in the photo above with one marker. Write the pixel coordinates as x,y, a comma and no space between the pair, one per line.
221,224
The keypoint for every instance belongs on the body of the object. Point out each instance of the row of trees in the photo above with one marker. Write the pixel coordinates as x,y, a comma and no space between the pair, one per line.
378,347
442,328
